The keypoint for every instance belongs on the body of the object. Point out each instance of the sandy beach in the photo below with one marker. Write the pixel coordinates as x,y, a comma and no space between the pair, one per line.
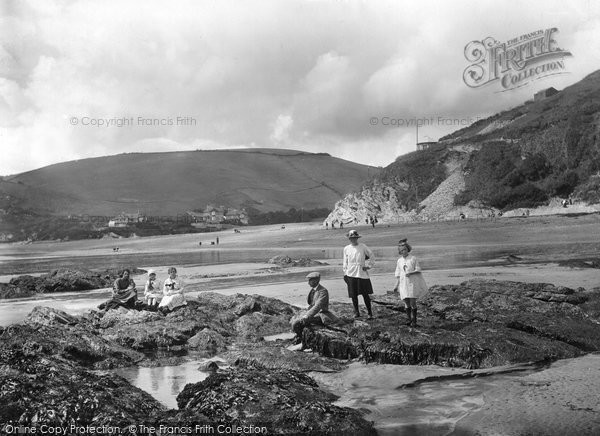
561,399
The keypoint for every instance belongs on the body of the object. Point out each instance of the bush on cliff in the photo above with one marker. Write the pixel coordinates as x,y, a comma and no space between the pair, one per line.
414,176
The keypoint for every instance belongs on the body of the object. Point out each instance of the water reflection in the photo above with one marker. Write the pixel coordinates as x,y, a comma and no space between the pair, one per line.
164,382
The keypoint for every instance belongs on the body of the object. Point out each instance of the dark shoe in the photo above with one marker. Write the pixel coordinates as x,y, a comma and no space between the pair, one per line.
356,314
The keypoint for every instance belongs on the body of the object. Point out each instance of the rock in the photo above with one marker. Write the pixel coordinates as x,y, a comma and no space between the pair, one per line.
45,381
287,261
208,366
48,316
122,316
273,356
61,280
581,263
231,317
208,339
286,402
477,324
8,290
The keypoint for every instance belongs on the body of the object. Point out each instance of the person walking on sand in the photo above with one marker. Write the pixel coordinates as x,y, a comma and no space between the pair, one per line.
410,282
356,272
318,307
173,295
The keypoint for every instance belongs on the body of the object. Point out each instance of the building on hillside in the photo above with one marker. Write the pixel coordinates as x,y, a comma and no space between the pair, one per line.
214,217
237,216
544,93
126,219
425,145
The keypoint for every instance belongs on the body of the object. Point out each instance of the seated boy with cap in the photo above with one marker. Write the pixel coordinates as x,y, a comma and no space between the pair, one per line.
318,307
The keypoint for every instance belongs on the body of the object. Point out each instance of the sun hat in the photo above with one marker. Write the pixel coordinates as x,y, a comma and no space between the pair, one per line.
313,275
353,234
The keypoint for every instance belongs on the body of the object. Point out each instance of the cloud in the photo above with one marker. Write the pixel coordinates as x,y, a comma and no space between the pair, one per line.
294,74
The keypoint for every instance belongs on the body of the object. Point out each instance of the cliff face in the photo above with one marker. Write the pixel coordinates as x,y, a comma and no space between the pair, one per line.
529,157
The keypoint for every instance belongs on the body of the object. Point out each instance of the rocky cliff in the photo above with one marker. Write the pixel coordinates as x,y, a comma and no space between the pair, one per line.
527,157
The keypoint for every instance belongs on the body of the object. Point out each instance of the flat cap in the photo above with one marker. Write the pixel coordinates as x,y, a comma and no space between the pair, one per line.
314,275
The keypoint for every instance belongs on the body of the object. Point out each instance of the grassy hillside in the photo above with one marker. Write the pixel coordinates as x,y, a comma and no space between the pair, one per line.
170,183
537,150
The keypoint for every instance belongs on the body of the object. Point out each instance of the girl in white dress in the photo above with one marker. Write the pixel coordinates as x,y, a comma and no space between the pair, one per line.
172,292
152,290
410,282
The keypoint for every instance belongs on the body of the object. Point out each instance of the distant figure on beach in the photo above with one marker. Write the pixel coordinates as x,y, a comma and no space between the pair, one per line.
326,225
318,307
124,293
217,240
332,225
462,216
356,272
341,224
565,203
410,282
152,290
173,292
200,243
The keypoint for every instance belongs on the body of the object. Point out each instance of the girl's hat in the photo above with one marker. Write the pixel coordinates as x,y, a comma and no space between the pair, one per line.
353,234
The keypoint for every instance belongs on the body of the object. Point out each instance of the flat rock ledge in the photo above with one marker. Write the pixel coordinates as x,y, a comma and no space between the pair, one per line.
477,324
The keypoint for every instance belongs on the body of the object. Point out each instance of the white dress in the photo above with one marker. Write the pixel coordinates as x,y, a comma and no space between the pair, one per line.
173,294
355,257
412,285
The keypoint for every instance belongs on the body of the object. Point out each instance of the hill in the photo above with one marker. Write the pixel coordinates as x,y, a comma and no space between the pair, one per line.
526,157
168,184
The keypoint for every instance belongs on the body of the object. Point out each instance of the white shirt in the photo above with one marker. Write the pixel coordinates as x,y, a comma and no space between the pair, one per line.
355,258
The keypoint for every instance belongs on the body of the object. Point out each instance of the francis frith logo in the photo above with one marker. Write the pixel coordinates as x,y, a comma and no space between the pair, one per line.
516,62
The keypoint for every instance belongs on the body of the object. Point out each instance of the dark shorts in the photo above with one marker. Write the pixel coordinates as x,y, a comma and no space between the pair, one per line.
358,286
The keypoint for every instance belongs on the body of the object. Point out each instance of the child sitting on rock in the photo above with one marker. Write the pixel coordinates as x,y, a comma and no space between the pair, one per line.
152,290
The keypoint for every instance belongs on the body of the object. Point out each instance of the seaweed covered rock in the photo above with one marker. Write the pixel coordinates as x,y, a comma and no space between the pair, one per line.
274,356
228,318
287,261
46,377
479,323
61,280
57,333
284,401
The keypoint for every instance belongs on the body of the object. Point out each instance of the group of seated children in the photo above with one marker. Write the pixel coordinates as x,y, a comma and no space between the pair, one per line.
163,298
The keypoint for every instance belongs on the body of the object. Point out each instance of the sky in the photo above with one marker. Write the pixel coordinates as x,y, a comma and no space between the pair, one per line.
82,79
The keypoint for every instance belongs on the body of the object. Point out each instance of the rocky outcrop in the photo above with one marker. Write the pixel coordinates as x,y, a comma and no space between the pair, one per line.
283,401
48,372
477,324
287,261
212,321
60,280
